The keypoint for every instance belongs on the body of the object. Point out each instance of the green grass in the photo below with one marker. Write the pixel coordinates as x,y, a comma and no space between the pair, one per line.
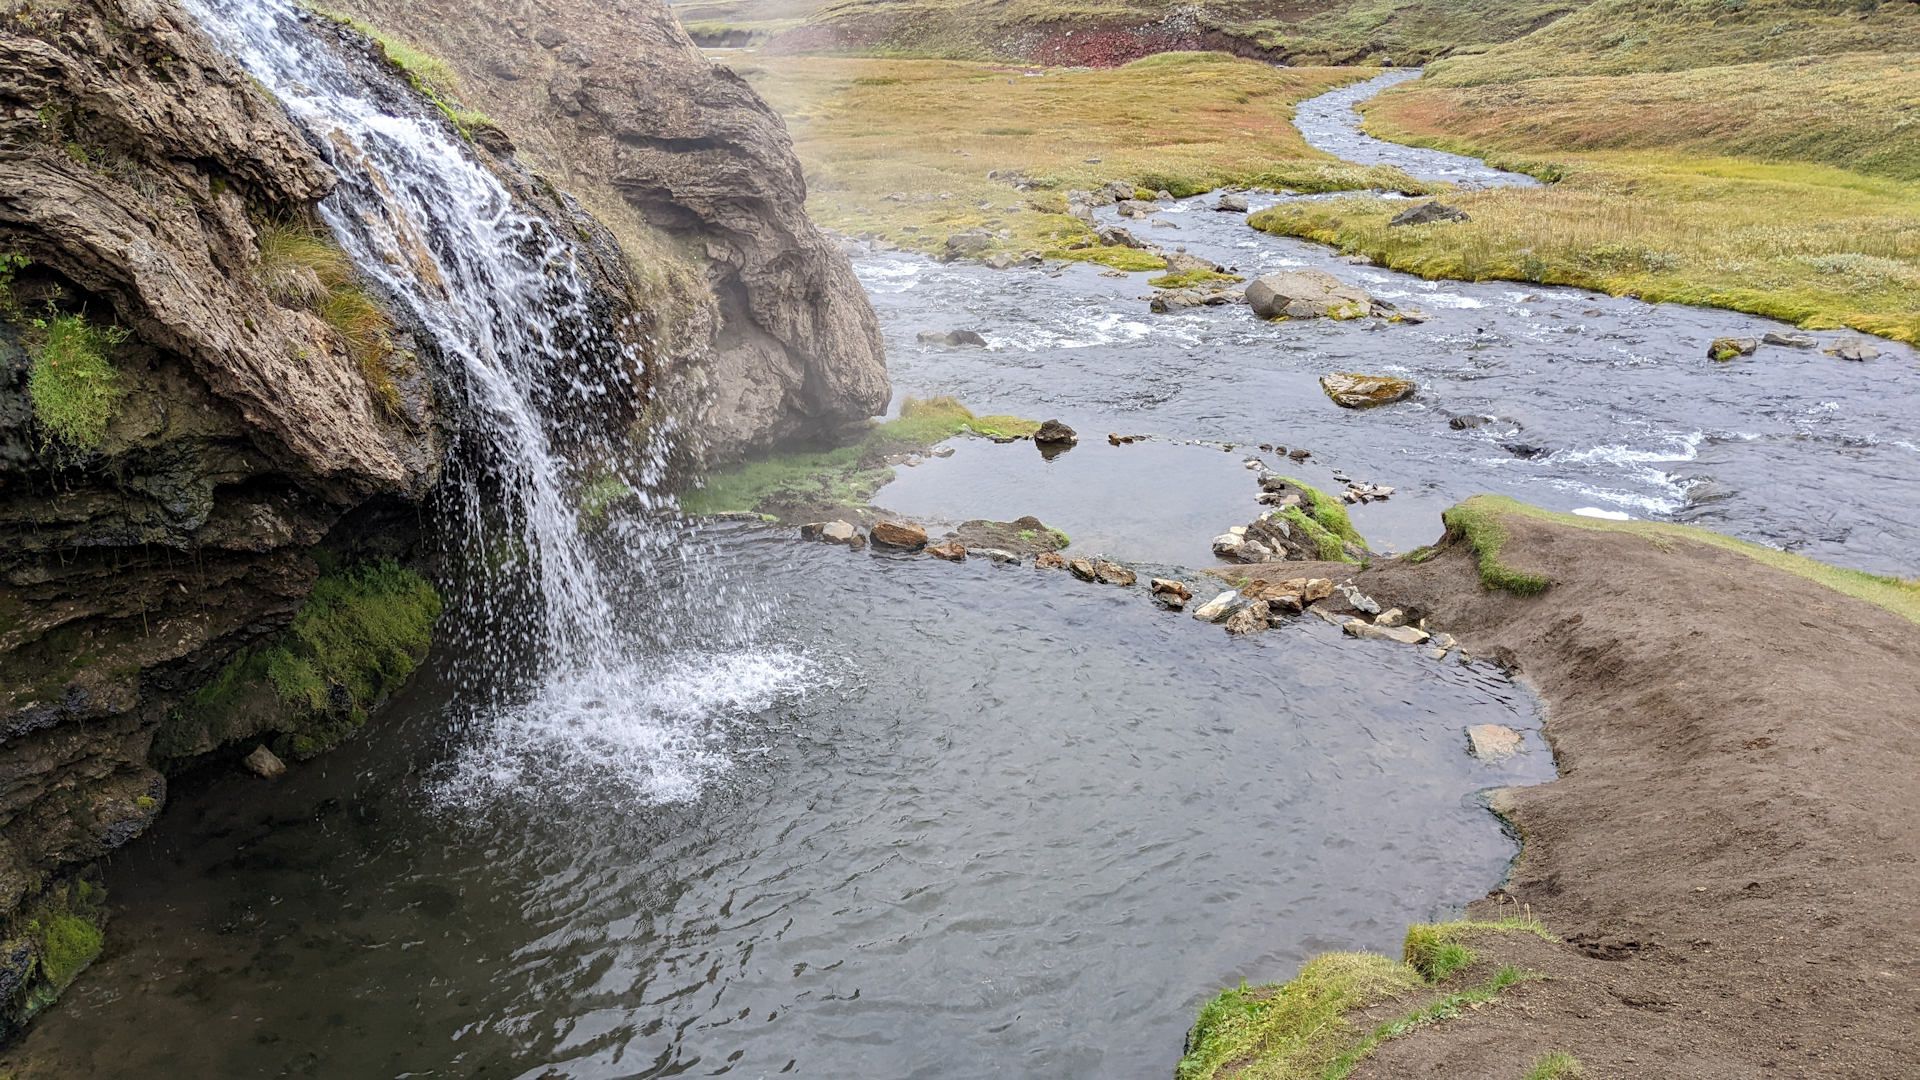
1327,546
301,266
1330,513
73,385
430,76
886,154
1558,1065
1478,520
845,475
1187,279
1303,1029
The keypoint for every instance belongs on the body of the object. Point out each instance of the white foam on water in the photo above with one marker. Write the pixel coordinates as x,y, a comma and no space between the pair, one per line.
1604,515
888,275
637,734
1104,328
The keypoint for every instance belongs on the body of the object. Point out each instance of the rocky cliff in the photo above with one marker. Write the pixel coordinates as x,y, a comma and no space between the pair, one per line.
215,437
697,178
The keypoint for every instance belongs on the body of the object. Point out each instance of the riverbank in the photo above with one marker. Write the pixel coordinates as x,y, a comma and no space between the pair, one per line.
1729,855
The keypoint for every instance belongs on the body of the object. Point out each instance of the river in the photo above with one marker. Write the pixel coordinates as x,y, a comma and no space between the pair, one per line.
967,821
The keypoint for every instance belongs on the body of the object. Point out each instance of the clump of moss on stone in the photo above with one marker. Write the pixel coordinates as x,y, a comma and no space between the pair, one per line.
47,944
302,267
362,632
846,475
1325,522
1480,527
73,384
1187,279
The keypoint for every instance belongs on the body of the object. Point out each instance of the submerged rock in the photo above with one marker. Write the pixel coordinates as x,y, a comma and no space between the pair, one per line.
1111,573
952,338
1307,294
1493,742
998,555
1170,594
834,532
1428,213
1855,349
1352,390
899,536
1791,341
264,763
1727,348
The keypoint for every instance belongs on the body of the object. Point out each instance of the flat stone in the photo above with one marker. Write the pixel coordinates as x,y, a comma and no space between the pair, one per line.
899,536
1366,631
1391,617
949,551
1217,608
1791,341
1855,349
1231,204
1351,390
998,555
264,762
1493,742
1168,587
1111,573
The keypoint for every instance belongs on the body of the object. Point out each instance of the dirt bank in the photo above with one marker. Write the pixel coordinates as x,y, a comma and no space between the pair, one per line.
1732,854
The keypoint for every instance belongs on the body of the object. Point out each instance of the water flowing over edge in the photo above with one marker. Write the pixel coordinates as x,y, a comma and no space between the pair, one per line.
604,713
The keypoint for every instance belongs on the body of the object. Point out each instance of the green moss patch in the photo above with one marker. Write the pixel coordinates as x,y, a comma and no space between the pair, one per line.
1132,260
73,385
1325,522
48,943
432,77
362,632
1478,523
808,480
1306,1029
1187,279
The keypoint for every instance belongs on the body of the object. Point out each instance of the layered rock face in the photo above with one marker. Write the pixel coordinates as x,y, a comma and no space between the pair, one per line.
691,171
136,168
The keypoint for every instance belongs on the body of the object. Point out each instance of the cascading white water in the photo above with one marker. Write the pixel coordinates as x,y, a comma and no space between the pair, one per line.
505,303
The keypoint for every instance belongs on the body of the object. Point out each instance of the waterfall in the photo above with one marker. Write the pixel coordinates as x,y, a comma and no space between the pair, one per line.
507,307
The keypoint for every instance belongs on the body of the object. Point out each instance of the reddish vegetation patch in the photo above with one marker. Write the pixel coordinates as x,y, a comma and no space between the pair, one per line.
1112,48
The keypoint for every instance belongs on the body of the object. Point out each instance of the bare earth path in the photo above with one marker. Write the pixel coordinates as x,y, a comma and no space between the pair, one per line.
1732,854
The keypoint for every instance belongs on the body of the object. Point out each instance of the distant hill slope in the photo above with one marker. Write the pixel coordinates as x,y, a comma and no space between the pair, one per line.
1104,33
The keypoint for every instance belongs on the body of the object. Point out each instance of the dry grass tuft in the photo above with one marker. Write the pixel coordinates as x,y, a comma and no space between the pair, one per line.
301,267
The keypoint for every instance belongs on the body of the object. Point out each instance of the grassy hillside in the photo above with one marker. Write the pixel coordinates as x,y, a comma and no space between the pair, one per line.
1111,32
887,152
1787,186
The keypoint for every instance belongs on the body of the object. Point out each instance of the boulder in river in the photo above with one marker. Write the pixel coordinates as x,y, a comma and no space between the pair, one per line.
1306,294
1355,391
1791,341
1050,560
1055,433
1170,594
1217,608
1231,204
1112,573
1179,262
952,338
1082,569
1134,208
900,536
1726,348
1428,213
1854,349
1248,620
834,532
949,551
997,555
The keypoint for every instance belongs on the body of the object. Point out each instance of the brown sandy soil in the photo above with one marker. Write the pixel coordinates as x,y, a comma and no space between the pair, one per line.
1732,853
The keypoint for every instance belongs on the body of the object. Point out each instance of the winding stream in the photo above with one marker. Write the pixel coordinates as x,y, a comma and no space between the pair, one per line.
980,822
